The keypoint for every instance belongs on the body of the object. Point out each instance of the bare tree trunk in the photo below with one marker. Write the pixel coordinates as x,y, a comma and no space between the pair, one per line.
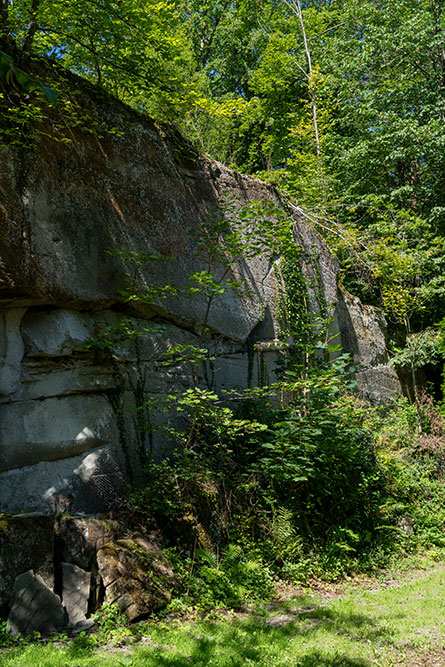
295,5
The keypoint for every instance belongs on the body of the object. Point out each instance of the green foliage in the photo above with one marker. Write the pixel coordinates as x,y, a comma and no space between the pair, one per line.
376,617
15,78
112,628
422,348
306,482
413,464
5,636
307,490
229,580
210,453
441,348
297,480
321,463
135,49
19,643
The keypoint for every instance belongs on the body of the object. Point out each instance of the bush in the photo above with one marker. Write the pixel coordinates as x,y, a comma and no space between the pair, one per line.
325,486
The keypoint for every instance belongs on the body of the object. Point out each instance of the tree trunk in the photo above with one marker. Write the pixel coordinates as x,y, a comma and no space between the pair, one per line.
4,20
32,28
295,5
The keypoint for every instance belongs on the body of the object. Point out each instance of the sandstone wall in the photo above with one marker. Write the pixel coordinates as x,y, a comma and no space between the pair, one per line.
68,207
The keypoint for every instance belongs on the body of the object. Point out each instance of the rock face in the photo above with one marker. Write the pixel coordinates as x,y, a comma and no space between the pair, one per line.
79,538
75,214
363,335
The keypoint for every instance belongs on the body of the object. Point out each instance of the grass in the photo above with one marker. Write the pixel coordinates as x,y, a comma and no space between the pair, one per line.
382,624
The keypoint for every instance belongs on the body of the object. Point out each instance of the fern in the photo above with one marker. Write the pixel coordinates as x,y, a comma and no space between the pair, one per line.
288,543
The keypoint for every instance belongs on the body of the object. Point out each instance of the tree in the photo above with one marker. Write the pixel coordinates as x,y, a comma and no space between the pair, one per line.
134,48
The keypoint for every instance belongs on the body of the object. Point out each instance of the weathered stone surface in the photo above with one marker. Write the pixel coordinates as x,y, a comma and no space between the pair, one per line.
35,608
11,350
363,330
136,575
79,538
319,268
75,593
26,543
55,332
363,335
48,380
379,383
89,216
92,480
52,429
83,626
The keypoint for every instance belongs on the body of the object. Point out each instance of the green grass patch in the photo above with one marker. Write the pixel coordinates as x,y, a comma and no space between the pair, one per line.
380,623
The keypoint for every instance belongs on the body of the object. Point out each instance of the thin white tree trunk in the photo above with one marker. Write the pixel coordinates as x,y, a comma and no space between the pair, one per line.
295,6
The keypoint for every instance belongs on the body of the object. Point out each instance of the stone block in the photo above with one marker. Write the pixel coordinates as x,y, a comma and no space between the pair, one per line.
55,332
11,350
80,537
83,626
53,429
379,384
75,593
35,608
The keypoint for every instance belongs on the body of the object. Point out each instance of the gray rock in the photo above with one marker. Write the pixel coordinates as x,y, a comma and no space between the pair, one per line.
379,384
363,335
53,429
52,333
279,621
363,330
35,608
83,626
75,593
81,537
11,350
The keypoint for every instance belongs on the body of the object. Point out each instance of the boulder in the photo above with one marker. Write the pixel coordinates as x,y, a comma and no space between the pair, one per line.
35,608
363,335
136,576
89,482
